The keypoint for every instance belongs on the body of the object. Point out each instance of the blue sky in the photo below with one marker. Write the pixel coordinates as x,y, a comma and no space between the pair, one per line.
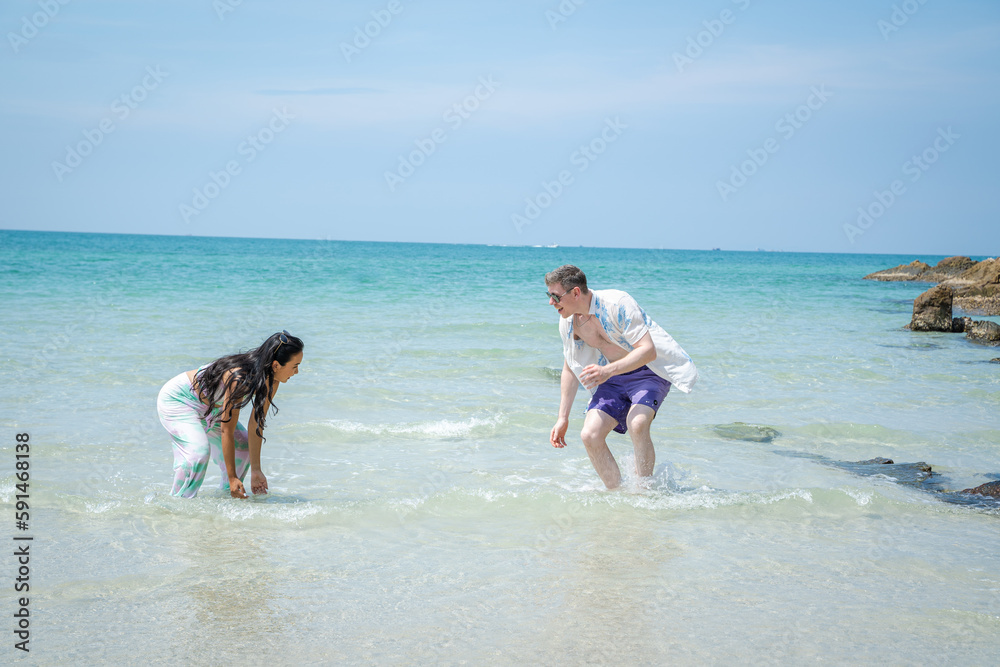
735,124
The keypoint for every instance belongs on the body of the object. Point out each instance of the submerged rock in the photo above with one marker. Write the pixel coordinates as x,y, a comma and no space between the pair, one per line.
932,310
918,475
991,489
912,474
984,332
749,432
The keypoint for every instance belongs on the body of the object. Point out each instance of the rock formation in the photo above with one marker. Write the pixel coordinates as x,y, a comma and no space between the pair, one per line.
932,310
960,324
991,489
950,267
976,285
984,333
912,271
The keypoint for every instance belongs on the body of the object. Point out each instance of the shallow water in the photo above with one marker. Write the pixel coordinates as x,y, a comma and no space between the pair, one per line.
417,512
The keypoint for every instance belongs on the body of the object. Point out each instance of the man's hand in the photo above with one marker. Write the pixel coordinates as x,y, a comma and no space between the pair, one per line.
593,375
236,489
258,483
558,435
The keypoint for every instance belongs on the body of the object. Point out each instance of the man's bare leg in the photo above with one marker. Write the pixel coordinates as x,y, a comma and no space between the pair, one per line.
638,421
595,431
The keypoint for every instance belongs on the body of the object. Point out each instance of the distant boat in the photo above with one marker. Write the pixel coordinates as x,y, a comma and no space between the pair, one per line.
716,248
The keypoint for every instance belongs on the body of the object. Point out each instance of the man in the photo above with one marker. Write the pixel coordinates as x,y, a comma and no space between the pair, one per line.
626,361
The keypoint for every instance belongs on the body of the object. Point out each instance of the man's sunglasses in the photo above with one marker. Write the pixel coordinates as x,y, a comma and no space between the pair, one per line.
558,297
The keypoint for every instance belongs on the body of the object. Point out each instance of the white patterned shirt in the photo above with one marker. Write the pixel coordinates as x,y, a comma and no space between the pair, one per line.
625,323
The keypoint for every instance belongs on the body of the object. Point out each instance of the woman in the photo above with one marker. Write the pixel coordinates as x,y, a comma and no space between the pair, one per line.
201,410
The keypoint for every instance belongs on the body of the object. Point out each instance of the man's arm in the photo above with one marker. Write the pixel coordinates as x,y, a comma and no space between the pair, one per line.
642,353
567,392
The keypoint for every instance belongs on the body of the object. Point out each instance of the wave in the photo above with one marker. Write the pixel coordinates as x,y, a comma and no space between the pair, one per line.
551,373
470,505
843,432
443,428
535,504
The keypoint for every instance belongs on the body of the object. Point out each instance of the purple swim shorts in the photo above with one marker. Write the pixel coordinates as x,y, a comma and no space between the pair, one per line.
639,387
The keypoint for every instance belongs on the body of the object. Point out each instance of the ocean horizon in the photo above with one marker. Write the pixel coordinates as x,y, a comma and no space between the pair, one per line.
417,512
933,257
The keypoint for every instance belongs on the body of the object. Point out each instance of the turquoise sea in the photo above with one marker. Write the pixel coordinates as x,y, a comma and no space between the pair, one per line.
418,514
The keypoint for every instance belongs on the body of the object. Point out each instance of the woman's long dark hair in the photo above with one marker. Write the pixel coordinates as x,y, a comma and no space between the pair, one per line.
251,379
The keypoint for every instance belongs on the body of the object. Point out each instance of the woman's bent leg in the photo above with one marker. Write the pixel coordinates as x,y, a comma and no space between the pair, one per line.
180,413
191,453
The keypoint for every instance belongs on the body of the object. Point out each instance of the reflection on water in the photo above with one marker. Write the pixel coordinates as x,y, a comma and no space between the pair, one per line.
230,587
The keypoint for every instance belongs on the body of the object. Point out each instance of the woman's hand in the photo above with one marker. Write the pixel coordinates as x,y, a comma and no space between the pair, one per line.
258,483
236,489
